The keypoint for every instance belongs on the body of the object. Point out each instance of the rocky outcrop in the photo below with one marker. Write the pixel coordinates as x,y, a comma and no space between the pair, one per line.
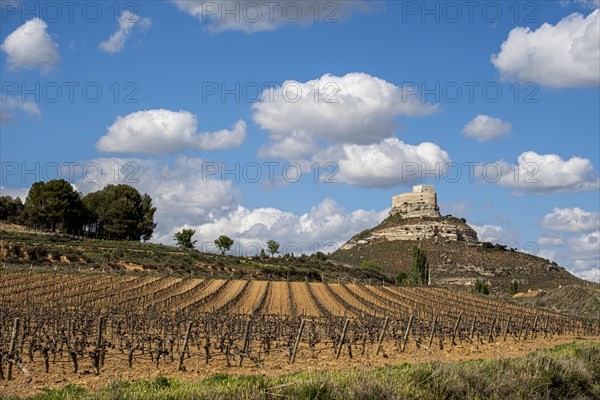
395,228
416,209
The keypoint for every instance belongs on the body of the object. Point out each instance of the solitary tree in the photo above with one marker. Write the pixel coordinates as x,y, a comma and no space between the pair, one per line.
184,238
224,243
420,266
514,287
273,247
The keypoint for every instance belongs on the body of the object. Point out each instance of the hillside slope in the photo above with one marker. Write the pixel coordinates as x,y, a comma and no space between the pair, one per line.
579,300
68,253
452,262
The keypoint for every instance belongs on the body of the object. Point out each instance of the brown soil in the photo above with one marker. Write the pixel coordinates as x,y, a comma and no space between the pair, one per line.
212,286
131,266
304,304
279,301
253,296
328,301
229,293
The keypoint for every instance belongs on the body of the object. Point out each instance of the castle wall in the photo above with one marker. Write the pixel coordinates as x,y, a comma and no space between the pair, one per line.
412,205
424,198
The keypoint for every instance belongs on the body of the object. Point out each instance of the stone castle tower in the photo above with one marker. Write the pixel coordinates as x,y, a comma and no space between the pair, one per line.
422,202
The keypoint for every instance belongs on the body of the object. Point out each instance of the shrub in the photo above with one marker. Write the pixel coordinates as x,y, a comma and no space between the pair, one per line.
402,277
482,288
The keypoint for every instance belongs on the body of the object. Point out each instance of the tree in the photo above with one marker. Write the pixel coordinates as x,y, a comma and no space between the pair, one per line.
224,243
420,266
184,238
54,204
514,287
121,212
147,224
11,210
262,253
273,247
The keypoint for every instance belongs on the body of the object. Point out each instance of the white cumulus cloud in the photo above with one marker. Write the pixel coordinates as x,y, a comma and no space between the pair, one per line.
571,220
10,104
484,128
489,233
587,246
584,255
544,173
127,22
354,108
14,192
183,192
186,194
324,228
563,55
388,163
260,16
551,240
163,131
30,46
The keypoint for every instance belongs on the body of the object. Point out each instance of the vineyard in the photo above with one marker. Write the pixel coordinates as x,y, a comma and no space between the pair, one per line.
94,323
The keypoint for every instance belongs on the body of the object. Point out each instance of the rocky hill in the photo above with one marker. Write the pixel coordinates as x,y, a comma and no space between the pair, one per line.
456,257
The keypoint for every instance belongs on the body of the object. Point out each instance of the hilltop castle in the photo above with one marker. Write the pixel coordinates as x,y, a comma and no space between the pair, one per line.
422,202
416,216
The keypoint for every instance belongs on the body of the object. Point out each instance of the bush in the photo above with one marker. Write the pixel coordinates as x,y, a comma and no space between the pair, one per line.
402,277
487,245
482,288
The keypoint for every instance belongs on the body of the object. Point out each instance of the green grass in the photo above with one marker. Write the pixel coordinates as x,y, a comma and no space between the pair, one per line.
565,372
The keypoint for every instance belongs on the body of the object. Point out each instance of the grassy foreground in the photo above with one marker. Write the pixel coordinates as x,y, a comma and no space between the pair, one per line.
565,372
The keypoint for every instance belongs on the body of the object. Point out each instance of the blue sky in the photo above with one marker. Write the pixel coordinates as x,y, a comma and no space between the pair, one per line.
165,94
